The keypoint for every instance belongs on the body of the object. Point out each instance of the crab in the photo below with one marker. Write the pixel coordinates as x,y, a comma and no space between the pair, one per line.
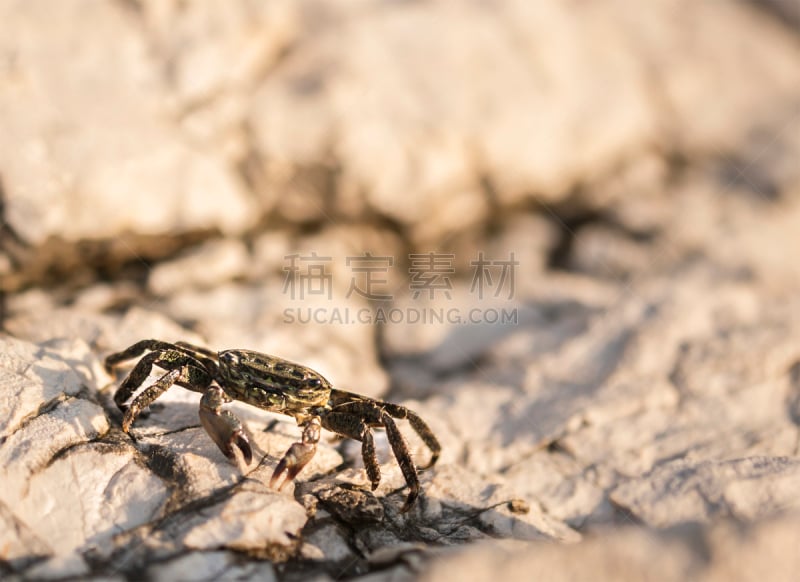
276,385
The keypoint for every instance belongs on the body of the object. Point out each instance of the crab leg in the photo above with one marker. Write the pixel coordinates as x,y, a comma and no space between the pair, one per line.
158,347
419,426
354,418
180,370
354,427
144,399
400,450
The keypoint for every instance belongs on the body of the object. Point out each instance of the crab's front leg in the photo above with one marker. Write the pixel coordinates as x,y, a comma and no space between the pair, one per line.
183,370
299,454
222,426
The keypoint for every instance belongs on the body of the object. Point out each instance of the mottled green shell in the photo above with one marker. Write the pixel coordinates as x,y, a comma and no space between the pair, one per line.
272,383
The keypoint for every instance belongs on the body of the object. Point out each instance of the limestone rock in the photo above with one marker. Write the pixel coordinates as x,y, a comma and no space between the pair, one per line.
248,521
208,566
76,139
208,116
684,491
724,552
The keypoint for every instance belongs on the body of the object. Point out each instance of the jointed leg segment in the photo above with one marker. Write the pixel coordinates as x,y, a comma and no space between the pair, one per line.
138,349
400,449
147,397
420,427
354,419
354,427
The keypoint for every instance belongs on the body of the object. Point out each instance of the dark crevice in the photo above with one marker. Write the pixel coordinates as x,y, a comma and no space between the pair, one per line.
677,377
786,12
11,244
624,515
792,399
174,431
569,225
43,408
134,556
65,266
13,247
99,442
168,466
557,447
494,224
68,265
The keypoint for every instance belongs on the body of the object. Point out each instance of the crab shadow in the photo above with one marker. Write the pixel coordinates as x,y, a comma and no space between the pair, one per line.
498,353
541,372
173,422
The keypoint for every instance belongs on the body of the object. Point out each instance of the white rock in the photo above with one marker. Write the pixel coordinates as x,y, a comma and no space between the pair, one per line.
490,501
79,140
205,266
60,567
530,117
21,546
686,491
251,520
31,448
32,377
326,543
210,566
97,495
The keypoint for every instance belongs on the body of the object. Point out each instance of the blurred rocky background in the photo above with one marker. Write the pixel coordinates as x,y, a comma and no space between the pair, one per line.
622,403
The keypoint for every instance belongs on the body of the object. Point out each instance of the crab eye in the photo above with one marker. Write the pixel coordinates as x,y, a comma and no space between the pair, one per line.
229,358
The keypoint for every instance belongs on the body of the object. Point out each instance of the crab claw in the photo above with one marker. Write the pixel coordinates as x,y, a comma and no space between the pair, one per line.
292,463
298,455
226,430
223,427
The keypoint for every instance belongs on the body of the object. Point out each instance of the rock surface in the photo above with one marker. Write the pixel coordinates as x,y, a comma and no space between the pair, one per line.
617,396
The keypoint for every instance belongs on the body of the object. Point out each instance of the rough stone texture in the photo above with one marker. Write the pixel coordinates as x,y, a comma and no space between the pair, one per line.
637,416
198,104
682,491
724,552
72,483
64,153
201,566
